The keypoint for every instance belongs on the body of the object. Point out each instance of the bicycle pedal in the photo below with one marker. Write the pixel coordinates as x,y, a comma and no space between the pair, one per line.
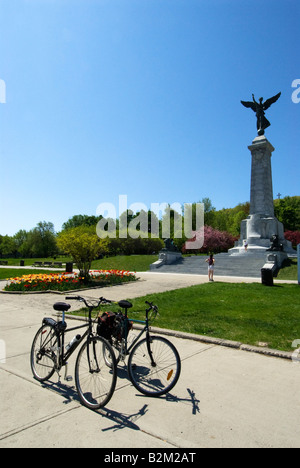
68,378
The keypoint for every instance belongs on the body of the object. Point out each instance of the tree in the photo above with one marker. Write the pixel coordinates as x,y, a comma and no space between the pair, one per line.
293,236
84,246
43,240
81,220
214,241
7,246
287,211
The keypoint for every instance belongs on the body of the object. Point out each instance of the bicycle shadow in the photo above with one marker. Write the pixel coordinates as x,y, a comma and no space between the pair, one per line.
191,400
129,421
123,420
66,391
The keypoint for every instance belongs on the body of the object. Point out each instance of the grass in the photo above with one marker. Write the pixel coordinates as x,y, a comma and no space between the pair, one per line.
289,271
248,313
119,262
31,261
125,262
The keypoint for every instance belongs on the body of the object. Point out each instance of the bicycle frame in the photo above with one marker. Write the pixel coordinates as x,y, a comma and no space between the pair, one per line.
125,351
62,356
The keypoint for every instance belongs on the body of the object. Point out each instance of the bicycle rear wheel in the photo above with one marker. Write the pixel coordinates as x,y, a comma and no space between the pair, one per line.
154,376
43,353
95,379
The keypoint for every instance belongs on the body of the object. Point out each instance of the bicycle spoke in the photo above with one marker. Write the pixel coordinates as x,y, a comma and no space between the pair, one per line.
95,379
155,377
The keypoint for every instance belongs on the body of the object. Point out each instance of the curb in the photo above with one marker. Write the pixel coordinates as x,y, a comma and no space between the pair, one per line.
226,343
209,340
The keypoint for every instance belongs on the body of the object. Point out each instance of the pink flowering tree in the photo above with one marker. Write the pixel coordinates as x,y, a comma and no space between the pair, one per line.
214,241
293,236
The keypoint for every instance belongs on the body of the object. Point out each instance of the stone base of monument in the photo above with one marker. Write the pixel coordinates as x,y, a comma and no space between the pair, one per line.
166,257
257,231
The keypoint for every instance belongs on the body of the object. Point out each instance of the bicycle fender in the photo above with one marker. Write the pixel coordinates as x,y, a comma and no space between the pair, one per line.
49,321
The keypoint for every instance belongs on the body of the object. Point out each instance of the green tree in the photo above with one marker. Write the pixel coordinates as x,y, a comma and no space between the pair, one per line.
84,246
42,240
7,246
287,211
81,220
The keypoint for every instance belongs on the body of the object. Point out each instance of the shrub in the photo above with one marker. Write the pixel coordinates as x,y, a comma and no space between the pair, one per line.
293,236
214,241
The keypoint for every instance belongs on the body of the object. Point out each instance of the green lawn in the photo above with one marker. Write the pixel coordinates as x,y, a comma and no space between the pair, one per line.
249,313
119,262
289,270
123,262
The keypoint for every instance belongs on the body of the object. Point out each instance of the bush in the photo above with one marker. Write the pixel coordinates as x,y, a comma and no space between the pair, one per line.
293,237
214,241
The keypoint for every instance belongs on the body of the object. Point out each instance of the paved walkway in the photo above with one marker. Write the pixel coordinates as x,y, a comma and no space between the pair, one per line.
225,397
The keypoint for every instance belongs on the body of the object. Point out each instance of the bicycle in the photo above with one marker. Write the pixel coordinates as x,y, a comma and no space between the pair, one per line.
95,380
154,364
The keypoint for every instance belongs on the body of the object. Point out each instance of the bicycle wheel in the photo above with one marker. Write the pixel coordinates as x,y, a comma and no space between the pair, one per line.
158,376
43,353
95,379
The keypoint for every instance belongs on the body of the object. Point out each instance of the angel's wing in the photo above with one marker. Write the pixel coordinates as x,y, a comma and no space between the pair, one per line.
271,101
249,104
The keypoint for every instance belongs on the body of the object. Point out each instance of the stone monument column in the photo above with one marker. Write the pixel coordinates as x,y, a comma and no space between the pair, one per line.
261,194
261,231
261,225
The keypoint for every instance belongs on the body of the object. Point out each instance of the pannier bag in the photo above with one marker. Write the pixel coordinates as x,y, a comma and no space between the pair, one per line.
106,324
110,325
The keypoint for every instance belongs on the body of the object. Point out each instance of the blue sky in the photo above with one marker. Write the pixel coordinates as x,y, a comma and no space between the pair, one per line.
141,98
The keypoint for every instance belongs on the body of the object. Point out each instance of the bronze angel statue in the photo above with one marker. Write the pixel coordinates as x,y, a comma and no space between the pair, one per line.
259,108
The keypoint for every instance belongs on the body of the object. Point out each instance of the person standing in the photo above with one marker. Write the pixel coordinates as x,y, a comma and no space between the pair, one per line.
211,265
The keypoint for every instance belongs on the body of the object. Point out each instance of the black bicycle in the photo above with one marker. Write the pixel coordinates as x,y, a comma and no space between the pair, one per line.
154,364
95,379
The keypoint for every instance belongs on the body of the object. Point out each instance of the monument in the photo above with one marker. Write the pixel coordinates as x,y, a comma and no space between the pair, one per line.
261,228
168,255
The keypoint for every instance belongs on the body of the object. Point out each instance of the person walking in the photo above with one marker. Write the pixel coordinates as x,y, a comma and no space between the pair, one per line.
211,264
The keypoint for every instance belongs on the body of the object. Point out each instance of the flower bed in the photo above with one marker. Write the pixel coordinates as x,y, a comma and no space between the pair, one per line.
68,281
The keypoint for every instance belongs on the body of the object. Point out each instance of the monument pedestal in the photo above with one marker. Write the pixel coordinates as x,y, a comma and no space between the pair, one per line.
166,257
261,225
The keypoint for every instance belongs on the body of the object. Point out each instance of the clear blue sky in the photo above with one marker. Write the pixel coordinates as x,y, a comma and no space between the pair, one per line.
142,98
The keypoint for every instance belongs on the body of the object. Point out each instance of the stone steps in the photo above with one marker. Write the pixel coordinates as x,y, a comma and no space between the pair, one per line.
247,265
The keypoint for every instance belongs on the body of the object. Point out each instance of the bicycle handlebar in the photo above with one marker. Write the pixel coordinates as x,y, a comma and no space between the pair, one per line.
102,300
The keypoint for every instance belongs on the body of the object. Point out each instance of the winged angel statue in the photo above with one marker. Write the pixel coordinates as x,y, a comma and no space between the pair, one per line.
259,108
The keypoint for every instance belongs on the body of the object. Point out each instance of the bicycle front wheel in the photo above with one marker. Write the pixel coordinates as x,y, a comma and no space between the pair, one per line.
154,366
95,379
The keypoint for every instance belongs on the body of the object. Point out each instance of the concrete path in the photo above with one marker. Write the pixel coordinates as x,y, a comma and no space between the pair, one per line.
225,397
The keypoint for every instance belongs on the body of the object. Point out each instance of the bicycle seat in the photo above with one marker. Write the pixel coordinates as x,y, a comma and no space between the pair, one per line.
125,304
61,306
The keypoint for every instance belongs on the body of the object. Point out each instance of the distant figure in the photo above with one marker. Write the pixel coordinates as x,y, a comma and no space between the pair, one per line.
211,265
245,245
259,108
